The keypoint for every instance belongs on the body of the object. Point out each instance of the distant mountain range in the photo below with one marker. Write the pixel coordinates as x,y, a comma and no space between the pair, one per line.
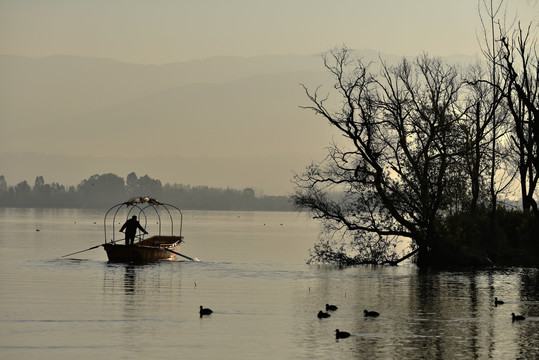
222,121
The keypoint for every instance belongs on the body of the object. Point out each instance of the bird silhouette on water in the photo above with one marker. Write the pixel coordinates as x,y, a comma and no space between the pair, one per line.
498,302
341,334
517,317
331,307
322,315
205,311
370,313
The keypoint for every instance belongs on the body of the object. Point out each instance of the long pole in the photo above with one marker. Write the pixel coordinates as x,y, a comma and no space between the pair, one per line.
177,253
93,247
78,252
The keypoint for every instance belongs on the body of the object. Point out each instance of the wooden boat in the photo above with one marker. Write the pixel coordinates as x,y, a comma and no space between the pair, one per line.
148,250
153,216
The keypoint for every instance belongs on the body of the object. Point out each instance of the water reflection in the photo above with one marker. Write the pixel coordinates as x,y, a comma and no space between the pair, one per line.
265,303
129,280
431,314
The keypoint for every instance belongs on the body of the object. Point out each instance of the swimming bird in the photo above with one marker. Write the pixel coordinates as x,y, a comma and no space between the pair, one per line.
205,311
497,302
322,315
517,317
331,307
341,334
370,313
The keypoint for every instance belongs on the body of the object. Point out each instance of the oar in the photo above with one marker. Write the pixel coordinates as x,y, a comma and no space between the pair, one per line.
93,247
177,253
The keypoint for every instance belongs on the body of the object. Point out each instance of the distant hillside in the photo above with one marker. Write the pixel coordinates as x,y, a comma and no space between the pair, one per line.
222,121
62,86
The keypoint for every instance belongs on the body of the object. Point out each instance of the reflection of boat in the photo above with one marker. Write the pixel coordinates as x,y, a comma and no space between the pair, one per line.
154,248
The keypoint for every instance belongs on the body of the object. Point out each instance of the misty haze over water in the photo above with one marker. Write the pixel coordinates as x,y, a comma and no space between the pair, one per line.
221,122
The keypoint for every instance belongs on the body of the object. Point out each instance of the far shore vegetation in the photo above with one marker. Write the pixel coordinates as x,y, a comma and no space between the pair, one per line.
103,191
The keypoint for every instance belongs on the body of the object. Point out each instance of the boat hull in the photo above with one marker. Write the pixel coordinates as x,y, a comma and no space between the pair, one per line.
149,250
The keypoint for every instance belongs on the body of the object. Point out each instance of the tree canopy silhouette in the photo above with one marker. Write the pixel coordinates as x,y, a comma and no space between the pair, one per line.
417,146
100,191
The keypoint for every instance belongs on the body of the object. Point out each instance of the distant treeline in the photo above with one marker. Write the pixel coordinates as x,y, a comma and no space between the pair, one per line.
103,191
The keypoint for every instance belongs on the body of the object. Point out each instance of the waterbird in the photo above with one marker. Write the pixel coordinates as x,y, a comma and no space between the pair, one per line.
341,334
370,313
498,302
517,317
205,311
331,307
322,315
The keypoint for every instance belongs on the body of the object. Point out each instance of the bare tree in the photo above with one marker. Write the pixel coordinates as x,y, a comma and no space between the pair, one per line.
520,65
490,14
514,65
388,178
486,131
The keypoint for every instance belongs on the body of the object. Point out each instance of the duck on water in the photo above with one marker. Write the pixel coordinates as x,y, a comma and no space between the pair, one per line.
205,311
331,307
370,313
341,334
322,315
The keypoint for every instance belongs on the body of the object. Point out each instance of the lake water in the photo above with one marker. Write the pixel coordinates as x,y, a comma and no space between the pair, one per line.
265,298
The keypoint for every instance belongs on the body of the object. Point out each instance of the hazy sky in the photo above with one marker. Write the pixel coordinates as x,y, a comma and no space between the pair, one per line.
168,31
164,31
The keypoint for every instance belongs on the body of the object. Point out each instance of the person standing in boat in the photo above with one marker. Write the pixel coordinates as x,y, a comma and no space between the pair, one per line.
131,227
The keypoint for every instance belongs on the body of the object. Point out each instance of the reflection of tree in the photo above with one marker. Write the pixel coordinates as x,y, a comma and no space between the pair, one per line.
443,306
424,314
529,294
453,313
529,283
